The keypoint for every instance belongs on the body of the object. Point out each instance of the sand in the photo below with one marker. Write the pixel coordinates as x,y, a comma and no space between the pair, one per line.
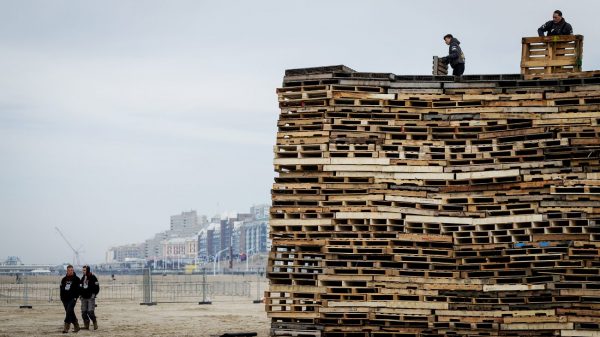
226,314
124,316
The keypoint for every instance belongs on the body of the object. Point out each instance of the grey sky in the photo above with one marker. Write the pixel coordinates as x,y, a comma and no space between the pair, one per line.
115,115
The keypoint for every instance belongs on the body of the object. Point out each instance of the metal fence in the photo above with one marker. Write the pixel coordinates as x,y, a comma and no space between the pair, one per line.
172,288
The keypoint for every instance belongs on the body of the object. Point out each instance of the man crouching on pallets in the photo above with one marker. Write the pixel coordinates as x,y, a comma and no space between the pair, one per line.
556,26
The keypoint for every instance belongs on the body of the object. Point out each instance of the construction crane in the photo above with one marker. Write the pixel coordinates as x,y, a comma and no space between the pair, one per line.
75,251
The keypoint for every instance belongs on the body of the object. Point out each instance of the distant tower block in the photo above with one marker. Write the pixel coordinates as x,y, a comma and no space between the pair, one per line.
551,54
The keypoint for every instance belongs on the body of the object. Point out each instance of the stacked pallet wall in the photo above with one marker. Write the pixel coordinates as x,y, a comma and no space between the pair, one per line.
415,206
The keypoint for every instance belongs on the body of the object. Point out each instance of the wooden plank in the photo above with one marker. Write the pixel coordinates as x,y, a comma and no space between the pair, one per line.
288,242
359,161
404,311
535,319
301,222
548,63
366,278
301,161
579,292
424,176
346,309
413,200
296,288
513,287
367,215
496,313
427,280
384,168
361,95
496,97
536,326
391,304
406,210
488,174
580,333
424,237
292,314
560,237
347,197
454,287
473,221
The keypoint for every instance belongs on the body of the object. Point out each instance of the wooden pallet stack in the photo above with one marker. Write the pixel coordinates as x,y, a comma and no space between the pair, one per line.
549,55
409,206
439,67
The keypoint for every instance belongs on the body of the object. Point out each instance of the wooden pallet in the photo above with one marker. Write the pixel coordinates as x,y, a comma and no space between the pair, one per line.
551,54
438,208
439,68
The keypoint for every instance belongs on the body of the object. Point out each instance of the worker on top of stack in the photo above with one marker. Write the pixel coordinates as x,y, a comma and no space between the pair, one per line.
556,26
456,57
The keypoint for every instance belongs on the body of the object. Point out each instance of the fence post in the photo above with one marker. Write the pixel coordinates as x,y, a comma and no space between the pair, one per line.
147,287
25,304
204,284
257,300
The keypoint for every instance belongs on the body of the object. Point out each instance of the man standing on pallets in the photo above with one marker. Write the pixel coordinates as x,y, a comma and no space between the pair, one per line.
556,26
455,57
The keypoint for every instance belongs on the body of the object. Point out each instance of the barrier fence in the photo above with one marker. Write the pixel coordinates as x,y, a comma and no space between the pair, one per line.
172,288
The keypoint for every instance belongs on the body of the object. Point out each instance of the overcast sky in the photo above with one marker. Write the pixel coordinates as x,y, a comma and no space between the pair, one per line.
115,115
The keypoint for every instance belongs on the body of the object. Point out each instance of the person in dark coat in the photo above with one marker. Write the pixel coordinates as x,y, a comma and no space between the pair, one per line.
456,57
69,292
556,26
90,287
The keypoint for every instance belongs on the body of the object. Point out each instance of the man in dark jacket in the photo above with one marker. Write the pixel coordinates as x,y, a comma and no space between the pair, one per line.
69,292
90,287
556,26
455,57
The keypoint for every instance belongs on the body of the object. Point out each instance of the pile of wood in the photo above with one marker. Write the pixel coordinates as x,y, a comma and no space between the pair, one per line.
550,55
439,67
409,206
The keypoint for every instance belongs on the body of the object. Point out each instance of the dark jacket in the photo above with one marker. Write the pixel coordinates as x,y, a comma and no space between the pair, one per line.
455,53
560,28
69,288
89,285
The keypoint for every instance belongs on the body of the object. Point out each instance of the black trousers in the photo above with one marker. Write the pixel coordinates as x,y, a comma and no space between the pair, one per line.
458,69
70,311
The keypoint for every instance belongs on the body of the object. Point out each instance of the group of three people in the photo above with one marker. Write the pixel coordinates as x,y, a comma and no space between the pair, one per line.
456,58
85,288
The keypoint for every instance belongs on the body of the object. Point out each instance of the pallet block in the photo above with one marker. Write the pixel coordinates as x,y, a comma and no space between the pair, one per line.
420,206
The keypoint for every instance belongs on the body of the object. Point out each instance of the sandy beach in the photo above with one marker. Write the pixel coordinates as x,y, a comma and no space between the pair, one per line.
225,314
122,315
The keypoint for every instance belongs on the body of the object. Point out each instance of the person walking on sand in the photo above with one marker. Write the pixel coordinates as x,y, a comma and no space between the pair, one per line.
69,292
90,287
